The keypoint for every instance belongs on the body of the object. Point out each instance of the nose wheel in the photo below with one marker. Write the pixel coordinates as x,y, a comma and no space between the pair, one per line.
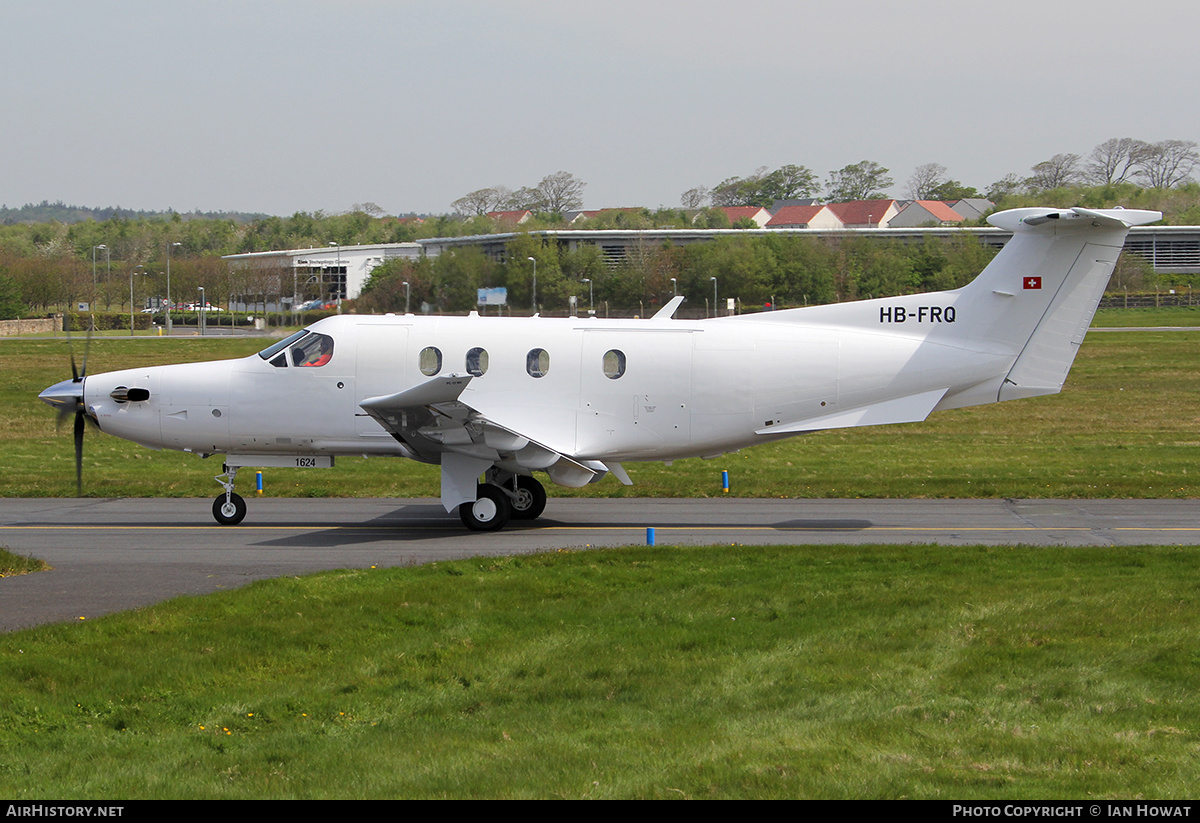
229,508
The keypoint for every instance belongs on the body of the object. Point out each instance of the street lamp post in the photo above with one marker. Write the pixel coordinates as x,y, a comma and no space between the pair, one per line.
591,296
533,260
715,310
339,274
169,247
674,287
203,311
101,246
406,293
132,272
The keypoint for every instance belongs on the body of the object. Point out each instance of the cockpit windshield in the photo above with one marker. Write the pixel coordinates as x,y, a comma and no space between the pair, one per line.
276,348
307,348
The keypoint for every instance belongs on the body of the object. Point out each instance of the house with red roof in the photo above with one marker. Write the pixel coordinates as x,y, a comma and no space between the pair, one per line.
511,218
757,214
972,208
865,214
804,217
925,213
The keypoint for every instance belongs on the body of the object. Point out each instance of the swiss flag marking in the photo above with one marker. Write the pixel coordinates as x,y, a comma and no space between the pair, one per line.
1033,282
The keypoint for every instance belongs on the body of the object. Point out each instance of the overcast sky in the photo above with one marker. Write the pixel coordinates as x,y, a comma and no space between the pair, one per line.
281,106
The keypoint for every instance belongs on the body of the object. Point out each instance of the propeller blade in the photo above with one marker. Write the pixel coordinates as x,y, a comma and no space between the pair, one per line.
67,399
87,345
79,426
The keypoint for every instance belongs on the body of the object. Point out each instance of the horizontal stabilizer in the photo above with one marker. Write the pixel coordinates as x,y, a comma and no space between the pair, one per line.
1028,219
910,409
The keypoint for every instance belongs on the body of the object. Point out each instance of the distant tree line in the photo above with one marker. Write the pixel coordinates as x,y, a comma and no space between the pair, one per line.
1167,164
555,194
781,270
53,255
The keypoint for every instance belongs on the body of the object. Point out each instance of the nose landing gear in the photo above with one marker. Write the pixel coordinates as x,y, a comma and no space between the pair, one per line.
229,508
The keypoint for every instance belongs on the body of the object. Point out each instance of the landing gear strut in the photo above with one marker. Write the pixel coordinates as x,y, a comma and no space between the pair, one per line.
229,508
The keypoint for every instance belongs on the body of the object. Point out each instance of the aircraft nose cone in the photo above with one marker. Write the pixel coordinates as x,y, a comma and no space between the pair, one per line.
65,396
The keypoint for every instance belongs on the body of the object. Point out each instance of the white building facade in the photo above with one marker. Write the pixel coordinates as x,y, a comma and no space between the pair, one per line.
326,273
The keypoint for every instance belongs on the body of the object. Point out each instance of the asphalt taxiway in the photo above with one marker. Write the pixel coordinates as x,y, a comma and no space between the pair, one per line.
110,555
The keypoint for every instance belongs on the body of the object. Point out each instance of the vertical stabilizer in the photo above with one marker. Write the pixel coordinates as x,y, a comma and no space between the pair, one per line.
1039,294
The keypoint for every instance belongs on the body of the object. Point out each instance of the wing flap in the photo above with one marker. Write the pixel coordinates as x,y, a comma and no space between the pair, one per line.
434,421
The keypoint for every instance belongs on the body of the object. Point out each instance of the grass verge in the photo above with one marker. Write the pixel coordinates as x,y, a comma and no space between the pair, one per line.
787,671
13,564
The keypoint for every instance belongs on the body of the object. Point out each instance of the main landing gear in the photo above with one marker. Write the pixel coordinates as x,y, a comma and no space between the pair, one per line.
503,496
229,508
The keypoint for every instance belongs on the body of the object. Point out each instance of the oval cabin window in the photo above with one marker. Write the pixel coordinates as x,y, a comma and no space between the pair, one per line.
537,362
477,362
614,364
430,361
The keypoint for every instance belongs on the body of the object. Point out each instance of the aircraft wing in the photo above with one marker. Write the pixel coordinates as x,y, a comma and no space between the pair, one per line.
435,425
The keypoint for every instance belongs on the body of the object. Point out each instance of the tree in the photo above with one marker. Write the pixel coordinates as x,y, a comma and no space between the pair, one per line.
763,189
789,183
481,201
11,304
369,208
728,192
925,180
524,198
1006,186
1059,171
694,198
953,190
1115,160
560,192
1167,164
864,180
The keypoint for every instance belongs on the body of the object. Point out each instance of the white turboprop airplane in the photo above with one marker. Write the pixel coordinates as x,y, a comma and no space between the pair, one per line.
502,397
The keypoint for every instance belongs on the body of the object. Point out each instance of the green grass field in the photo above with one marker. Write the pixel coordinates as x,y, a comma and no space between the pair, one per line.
1126,425
1165,316
718,672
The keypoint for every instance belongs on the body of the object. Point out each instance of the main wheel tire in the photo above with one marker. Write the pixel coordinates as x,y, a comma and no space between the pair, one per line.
489,512
530,501
229,512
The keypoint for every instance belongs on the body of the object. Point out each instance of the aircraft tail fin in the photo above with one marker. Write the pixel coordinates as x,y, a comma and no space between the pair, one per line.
1038,295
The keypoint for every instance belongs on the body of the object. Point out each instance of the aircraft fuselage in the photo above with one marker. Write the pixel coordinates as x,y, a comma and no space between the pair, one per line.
671,389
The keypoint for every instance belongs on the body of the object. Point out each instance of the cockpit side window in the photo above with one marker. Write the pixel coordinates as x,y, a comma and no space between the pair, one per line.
276,348
314,350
